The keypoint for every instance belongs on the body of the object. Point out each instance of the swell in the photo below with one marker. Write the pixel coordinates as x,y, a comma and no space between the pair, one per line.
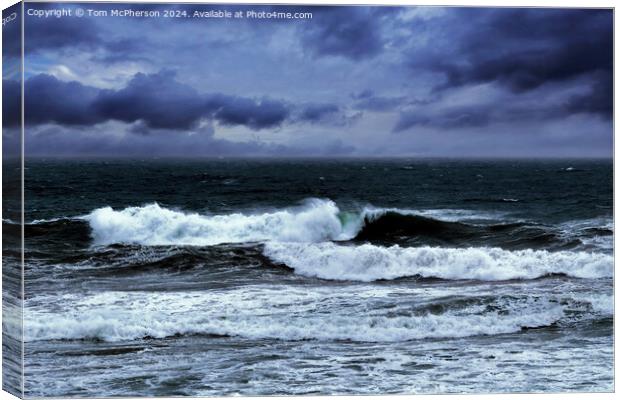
395,227
128,260
70,230
55,240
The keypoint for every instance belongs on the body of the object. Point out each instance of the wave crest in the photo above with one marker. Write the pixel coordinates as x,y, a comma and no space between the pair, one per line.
270,313
315,221
369,262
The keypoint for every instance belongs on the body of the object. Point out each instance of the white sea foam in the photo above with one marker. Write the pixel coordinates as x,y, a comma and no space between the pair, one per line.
369,262
600,302
270,313
315,221
115,326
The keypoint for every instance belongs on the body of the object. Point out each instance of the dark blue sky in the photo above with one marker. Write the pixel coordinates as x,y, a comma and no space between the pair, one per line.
351,81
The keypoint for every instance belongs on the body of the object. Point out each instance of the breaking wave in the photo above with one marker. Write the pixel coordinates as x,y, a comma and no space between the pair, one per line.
290,315
318,220
315,221
368,262
360,328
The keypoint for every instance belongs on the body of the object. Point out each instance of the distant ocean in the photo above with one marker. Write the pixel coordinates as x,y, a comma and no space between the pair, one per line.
273,277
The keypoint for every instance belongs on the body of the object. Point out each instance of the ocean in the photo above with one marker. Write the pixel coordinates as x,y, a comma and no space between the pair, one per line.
316,276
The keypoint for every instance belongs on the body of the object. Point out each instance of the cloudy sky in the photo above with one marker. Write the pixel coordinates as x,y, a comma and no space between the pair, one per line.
351,81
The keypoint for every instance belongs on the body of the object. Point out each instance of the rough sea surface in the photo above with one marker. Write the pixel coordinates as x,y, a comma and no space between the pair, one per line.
270,277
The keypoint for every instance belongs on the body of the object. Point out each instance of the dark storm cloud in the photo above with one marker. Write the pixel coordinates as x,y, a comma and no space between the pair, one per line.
155,101
161,102
504,110
523,49
599,101
255,114
48,99
349,32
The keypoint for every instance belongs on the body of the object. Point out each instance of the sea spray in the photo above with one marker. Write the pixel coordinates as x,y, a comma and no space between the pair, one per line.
315,221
